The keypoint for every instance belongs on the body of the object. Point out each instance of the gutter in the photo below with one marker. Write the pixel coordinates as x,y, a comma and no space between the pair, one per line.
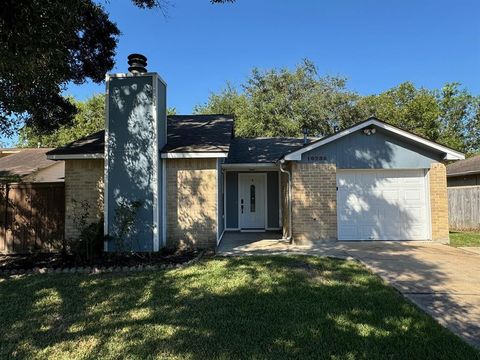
282,162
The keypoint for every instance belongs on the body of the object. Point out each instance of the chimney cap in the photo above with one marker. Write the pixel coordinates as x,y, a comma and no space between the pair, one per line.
138,63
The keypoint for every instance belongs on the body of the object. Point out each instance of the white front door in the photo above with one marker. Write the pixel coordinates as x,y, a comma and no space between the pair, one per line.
251,201
382,205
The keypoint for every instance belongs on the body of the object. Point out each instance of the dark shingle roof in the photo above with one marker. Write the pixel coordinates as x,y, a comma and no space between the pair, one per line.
186,133
199,133
261,150
91,144
24,162
467,166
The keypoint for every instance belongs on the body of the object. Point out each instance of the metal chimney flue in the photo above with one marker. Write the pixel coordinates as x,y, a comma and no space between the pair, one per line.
138,63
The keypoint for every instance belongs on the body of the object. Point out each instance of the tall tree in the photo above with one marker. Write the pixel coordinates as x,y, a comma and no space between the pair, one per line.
405,106
46,44
89,118
281,102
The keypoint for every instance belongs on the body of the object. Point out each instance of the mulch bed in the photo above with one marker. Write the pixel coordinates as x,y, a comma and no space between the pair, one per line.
66,261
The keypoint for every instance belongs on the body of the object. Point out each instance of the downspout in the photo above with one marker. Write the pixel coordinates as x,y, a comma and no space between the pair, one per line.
289,237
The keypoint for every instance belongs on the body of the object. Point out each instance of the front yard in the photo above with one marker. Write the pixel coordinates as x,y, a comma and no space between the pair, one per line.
464,238
228,308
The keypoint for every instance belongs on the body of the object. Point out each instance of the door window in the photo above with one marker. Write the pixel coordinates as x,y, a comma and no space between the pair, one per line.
252,198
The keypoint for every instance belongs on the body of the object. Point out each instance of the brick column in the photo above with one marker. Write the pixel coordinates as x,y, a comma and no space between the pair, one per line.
314,203
439,202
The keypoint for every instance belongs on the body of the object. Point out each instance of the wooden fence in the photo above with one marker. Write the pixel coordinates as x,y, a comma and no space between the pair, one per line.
32,217
464,207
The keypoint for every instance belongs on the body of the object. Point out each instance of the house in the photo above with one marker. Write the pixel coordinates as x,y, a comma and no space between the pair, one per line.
464,173
193,179
29,165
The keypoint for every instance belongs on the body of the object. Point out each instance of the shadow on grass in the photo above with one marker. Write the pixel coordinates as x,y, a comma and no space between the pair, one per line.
251,307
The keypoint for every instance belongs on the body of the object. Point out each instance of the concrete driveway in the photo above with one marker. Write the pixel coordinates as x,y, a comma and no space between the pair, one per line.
442,280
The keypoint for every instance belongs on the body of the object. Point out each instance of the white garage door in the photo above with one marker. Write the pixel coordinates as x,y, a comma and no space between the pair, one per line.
382,205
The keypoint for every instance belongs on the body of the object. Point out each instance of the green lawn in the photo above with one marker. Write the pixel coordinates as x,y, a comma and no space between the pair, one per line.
464,238
249,308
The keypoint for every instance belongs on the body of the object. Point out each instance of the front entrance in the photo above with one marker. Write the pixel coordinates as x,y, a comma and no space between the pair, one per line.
251,201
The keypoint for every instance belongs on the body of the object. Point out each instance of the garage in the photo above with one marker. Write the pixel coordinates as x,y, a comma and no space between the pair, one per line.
383,205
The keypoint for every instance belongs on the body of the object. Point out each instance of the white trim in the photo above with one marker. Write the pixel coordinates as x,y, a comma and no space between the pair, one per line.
191,155
154,185
127,75
250,167
449,153
428,202
75,156
221,237
224,173
253,230
164,203
105,167
273,228
232,229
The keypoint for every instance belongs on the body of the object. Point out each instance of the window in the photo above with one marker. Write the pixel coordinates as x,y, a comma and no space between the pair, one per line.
252,198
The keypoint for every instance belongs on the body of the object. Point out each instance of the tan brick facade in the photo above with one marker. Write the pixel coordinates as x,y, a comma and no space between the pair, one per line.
191,202
83,183
439,202
314,202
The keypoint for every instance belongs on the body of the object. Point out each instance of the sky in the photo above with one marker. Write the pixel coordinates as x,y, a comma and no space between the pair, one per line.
376,44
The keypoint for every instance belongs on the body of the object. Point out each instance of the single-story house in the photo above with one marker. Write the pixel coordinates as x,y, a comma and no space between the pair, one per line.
464,173
29,165
193,179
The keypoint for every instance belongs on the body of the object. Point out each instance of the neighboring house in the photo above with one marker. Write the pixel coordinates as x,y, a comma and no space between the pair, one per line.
29,165
195,179
464,173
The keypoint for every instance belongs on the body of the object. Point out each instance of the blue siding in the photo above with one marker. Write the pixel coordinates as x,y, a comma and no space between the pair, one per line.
131,158
382,150
273,201
232,199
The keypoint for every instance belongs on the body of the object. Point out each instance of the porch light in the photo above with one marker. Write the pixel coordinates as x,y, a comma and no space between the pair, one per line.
369,131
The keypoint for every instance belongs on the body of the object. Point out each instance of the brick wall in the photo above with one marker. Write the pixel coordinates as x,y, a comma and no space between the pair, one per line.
83,183
191,202
314,202
439,202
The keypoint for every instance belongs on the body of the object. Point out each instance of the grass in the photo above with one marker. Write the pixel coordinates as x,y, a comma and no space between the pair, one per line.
465,238
228,308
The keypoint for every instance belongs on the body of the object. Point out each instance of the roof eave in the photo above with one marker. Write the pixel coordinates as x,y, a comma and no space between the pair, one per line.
74,156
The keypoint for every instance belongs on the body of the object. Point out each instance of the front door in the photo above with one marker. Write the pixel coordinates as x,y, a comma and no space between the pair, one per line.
251,201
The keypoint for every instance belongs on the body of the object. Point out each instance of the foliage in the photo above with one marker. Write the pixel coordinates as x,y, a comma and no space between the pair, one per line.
224,308
90,118
465,238
89,243
283,102
45,45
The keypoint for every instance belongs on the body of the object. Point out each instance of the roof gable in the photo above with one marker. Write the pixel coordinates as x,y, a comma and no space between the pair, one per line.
450,154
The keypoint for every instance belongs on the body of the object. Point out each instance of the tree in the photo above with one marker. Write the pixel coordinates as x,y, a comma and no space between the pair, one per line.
45,45
407,107
89,119
283,103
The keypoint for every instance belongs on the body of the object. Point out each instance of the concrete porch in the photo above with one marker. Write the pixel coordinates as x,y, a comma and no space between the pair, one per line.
271,243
